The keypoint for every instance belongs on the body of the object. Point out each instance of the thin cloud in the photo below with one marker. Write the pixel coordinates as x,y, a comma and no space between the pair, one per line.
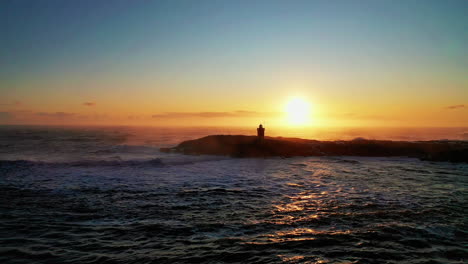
89,103
193,114
354,116
5,116
56,114
451,107
135,117
464,136
15,103
239,113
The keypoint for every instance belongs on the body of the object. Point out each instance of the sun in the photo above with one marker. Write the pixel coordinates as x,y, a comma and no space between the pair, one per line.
297,111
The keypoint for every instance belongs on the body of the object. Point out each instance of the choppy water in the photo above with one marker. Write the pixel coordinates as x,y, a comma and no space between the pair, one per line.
109,196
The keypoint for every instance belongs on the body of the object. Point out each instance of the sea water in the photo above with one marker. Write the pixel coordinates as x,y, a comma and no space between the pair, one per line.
107,195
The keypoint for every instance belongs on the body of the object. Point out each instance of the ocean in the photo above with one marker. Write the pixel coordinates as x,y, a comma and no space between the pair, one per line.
107,195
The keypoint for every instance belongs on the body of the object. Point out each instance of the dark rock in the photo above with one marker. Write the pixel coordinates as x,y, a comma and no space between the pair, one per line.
252,146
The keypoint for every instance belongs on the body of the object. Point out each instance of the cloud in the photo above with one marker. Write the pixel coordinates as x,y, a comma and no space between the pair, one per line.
192,114
354,116
32,117
464,136
15,103
135,117
239,113
5,116
56,114
89,103
451,107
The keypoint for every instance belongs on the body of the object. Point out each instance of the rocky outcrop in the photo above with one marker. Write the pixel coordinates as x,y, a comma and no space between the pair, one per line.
251,146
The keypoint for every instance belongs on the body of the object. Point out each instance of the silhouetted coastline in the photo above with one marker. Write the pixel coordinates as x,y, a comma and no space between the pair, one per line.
251,146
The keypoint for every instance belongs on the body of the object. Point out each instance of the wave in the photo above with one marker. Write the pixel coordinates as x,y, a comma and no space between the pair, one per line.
15,164
155,162
125,149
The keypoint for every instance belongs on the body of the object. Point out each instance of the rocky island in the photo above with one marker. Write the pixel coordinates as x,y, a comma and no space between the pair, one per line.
254,146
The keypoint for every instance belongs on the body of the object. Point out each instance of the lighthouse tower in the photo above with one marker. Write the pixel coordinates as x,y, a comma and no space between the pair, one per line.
260,132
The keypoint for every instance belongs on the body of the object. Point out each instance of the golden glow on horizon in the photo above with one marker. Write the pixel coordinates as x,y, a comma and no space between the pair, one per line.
297,111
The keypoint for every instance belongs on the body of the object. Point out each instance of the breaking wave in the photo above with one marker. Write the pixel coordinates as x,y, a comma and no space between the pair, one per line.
84,163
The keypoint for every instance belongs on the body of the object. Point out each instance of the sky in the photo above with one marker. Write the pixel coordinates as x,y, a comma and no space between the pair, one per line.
234,63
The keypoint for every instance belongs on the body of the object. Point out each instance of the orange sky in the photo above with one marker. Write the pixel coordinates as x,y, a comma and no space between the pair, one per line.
322,114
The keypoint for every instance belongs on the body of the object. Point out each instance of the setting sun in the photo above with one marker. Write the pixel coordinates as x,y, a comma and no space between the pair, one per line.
297,111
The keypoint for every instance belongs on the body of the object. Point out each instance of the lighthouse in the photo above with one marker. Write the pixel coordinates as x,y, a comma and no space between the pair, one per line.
260,132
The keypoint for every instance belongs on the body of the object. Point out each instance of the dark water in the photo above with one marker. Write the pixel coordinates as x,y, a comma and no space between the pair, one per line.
109,196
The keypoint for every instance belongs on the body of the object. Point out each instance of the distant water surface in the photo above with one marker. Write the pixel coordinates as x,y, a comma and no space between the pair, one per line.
107,195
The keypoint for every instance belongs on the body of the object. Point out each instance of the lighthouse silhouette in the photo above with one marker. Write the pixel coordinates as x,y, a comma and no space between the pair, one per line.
260,132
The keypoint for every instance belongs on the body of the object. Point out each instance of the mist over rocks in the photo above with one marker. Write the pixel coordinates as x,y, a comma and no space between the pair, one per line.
251,146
